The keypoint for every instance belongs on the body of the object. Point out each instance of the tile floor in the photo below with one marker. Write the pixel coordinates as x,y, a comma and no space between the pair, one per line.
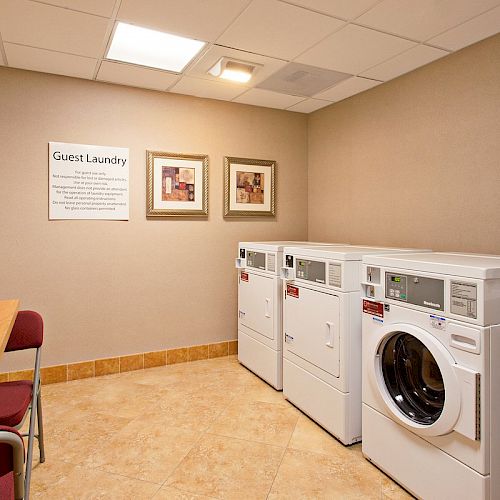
206,429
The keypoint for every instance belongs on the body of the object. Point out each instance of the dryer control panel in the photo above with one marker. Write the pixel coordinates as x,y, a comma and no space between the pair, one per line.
256,259
311,270
417,290
322,272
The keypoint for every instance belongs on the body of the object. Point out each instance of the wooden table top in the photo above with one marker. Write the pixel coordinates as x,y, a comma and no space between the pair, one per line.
8,313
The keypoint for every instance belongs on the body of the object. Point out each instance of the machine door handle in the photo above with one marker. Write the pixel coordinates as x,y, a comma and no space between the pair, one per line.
268,308
330,333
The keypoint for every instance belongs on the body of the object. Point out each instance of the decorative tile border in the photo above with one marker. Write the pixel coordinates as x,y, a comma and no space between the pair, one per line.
120,364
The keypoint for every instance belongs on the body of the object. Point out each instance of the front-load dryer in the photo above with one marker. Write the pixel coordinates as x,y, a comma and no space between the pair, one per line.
259,308
431,372
322,335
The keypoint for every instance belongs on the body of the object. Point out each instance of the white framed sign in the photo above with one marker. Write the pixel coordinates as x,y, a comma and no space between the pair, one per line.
88,182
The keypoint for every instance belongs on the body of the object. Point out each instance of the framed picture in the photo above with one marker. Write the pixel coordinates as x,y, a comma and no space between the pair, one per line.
249,187
177,185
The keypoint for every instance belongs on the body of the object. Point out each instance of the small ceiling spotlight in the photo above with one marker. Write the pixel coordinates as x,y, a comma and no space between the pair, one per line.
236,71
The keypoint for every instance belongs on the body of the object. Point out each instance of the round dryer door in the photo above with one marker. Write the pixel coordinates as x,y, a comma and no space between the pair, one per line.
415,375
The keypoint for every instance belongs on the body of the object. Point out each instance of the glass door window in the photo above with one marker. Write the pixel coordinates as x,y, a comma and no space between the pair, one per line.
413,378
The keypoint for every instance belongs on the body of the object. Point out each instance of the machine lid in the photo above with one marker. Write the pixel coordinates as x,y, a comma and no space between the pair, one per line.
465,265
342,252
277,246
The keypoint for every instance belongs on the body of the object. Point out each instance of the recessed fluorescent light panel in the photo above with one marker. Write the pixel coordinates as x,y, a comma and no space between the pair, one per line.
236,71
155,49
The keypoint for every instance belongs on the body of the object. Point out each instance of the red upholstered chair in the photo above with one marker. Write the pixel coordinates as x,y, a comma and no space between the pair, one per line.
18,399
11,464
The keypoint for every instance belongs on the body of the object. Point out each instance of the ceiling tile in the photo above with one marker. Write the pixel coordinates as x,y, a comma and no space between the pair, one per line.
53,28
277,29
267,98
308,106
422,19
192,18
97,7
405,62
214,53
206,88
470,32
347,88
354,49
136,76
47,61
345,9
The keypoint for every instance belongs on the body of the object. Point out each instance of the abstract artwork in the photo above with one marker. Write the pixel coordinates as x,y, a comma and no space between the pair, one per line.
248,187
177,184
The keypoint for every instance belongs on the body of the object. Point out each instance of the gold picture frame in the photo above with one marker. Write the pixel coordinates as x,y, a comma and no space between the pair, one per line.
177,184
249,187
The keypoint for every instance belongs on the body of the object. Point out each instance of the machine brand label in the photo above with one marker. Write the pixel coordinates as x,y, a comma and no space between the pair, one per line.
428,303
292,291
373,308
244,276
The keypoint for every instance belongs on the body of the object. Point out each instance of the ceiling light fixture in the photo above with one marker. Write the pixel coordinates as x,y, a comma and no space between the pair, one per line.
155,49
236,71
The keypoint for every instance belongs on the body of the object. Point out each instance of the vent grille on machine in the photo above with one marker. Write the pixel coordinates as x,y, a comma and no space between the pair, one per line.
271,262
331,275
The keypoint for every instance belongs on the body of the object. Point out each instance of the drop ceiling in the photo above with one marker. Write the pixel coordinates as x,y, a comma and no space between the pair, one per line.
367,42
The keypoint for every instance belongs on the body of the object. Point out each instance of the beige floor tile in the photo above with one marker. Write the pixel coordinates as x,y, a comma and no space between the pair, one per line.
304,474
168,493
257,390
257,421
45,477
392,491
195,411
308,436
77,435
144,449
83,483
228,468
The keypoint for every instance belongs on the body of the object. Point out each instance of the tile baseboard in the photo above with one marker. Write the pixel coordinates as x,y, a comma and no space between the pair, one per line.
121,364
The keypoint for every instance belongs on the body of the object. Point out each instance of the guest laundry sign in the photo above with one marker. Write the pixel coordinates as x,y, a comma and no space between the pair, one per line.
88,182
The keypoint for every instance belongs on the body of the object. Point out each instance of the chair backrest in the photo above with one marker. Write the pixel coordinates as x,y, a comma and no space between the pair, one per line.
11,463
27,332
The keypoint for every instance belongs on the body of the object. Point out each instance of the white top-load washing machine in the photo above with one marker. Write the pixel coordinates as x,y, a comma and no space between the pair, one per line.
322,335
259,307
431,372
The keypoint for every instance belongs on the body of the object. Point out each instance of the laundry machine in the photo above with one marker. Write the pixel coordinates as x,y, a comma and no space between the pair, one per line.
259,307
322,335
431,372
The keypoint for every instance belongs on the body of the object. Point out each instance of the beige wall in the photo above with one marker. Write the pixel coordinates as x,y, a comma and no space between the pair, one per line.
110,288
413,162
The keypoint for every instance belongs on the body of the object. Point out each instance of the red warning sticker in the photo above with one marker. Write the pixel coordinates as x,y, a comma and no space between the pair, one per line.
244,276
373,308
292,291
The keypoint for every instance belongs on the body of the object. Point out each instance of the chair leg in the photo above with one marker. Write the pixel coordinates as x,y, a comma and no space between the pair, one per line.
29,457
33,417
41,445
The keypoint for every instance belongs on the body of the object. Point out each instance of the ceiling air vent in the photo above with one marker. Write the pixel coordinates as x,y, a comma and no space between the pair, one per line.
302,80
